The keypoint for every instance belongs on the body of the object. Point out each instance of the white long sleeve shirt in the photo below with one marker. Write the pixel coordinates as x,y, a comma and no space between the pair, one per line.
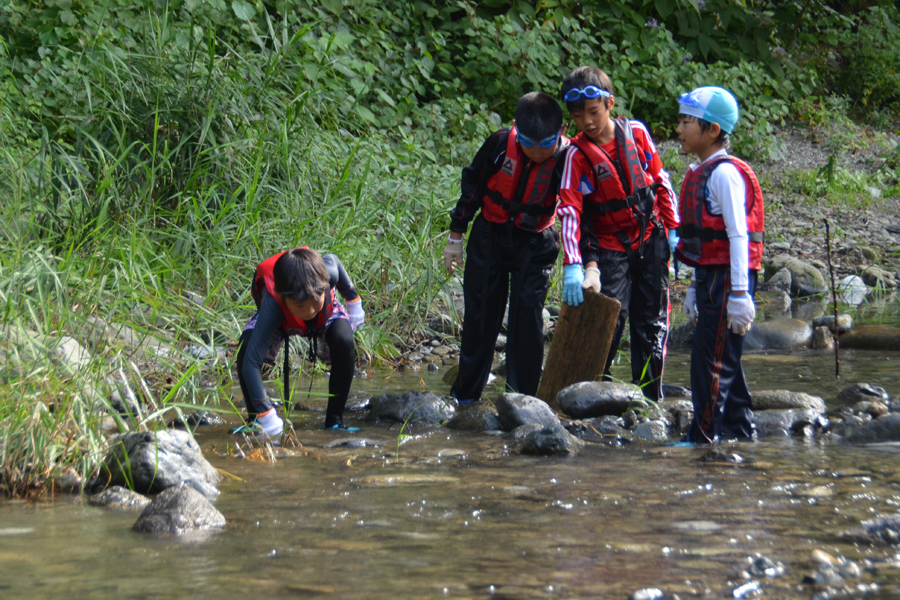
726,195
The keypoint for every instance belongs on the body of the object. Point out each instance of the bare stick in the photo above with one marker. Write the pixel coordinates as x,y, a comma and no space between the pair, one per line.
837,344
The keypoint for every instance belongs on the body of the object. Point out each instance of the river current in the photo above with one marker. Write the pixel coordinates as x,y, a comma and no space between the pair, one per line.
447,514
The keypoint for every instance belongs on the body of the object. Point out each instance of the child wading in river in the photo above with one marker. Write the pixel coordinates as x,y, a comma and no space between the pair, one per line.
294,292
721,234
617,209
513,182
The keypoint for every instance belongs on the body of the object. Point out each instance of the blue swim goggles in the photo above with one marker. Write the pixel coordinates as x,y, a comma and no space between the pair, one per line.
589,91
527,142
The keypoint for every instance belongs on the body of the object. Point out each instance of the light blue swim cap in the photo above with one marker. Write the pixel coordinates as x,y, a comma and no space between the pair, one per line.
712,104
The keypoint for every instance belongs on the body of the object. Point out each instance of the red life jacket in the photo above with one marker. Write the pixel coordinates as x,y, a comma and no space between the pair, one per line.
265,280
623,207
532,202
704,240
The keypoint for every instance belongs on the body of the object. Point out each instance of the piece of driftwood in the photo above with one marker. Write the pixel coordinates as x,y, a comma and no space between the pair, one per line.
580,344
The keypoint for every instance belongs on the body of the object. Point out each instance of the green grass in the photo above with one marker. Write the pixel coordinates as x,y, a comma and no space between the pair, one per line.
167,187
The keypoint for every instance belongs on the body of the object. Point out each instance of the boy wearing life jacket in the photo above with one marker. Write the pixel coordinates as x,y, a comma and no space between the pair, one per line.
294,293
722,220
616,207
513,181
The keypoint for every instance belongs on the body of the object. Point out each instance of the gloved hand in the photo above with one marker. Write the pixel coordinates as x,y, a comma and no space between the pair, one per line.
673,240
741,312
690,304
591,279
453,251
356,313
573,277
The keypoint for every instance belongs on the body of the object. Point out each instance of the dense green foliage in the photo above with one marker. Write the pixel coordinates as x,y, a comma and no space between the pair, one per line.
152,147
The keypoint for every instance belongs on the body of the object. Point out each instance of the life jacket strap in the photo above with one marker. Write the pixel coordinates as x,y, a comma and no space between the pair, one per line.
708,234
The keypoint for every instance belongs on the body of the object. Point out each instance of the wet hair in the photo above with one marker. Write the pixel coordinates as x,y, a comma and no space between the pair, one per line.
538,115
723,139
300,274
582,77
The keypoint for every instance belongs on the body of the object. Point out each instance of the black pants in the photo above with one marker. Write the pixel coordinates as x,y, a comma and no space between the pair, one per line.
501,258
722,408
643,291
339,337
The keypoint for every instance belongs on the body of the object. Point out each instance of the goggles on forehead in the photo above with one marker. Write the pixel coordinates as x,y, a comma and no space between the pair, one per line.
548,142
589,91
688,99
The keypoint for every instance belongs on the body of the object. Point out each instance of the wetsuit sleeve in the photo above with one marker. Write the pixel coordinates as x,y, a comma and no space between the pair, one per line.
666,206
268,320
485,164
339,278
728,190
577,181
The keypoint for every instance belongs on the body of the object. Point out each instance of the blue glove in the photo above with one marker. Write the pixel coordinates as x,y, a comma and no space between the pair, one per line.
573,277
673,240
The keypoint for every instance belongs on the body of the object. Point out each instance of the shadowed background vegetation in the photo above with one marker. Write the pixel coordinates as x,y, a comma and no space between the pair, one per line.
151,149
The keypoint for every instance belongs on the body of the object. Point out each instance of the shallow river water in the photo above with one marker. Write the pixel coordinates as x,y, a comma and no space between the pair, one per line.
456,515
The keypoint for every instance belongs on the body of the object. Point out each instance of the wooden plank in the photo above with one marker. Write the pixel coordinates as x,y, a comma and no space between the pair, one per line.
580,344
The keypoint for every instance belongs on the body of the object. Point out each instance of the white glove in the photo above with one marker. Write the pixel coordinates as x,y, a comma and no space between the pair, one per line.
453,250
271,423
741,312
591,279
690,304
356,313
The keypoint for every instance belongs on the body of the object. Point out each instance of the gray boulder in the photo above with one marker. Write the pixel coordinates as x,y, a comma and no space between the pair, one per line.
853,289
477,417
778,334
822,339
653,431
872,337
806,280
119,498
414,408
884,429
179,510
682,412
154,461
778,421
780,281
844,321
779,399
862,392
883,530
588,399
515,410
774,302
550,440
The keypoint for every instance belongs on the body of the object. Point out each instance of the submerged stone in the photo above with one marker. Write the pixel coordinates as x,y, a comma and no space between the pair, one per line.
872,337
119,498
179,510
880,530
884,429
779,421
